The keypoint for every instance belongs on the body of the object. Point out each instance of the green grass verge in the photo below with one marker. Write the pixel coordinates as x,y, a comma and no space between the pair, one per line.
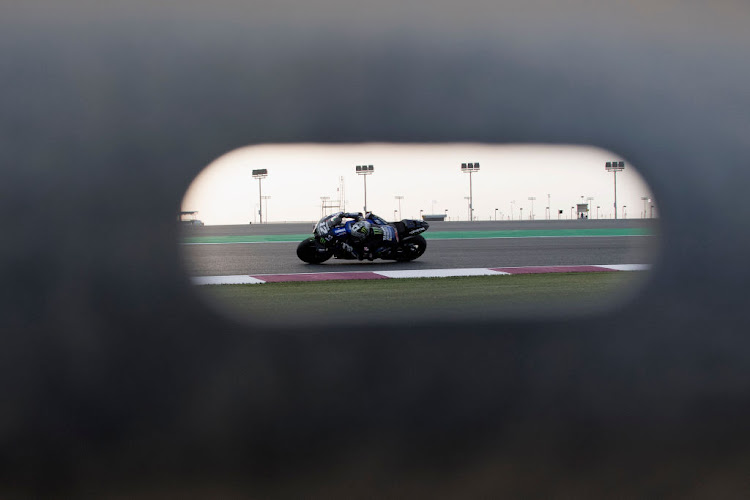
510,294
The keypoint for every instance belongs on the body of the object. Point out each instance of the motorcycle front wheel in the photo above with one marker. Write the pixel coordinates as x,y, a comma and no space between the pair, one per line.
411,248
309,251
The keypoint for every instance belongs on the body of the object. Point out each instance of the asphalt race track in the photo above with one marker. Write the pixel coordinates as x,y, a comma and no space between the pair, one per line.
268,258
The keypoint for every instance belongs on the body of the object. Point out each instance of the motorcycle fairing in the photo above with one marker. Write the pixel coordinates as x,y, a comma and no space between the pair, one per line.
389,233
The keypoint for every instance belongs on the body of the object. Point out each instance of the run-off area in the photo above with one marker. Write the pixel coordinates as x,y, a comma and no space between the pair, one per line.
496,296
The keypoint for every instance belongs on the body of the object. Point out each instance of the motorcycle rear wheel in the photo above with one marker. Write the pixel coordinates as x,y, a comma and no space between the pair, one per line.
411,249
308,251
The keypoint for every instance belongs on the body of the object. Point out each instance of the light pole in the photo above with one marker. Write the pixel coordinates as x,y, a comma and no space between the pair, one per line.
470,168
323,200
597,212
420,214
394,215
468,201
364,171
520,217
266,198
582,203
511,208
549,212
624,215
614,167
399,198
446,214
571,213
496,215
645,199
589,199
260,174
531,199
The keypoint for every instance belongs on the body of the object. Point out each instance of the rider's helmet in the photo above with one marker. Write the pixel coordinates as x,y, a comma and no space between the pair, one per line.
360,229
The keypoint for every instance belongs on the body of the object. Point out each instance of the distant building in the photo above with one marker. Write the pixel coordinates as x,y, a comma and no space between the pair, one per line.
189,218
583,210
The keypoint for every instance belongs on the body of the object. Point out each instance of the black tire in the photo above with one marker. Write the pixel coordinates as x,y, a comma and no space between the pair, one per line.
308,251
411,248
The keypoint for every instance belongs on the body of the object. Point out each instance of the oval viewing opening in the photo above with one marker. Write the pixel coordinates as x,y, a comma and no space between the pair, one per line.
456,229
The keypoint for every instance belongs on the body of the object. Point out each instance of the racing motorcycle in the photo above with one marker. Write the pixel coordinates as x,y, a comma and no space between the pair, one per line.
332,237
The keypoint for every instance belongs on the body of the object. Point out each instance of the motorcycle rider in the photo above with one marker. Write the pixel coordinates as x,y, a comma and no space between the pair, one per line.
369,235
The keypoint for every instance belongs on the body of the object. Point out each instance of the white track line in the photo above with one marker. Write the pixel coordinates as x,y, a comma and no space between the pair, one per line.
415,273
226,280
627,267
438,273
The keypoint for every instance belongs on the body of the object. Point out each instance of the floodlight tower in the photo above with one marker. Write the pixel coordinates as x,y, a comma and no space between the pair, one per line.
614,167
399,198
364,171
260,174
470,168
266,198
323,203
531,199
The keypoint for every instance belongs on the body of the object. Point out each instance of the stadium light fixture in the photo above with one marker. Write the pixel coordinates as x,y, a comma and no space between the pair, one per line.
260,174
614,167
266,198
645,200
470,168
323,203
548,210
364,171
531,199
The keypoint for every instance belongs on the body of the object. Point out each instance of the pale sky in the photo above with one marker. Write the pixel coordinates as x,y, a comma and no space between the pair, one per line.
428,176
